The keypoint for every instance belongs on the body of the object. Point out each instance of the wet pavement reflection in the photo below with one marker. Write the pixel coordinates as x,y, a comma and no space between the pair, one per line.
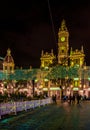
60,116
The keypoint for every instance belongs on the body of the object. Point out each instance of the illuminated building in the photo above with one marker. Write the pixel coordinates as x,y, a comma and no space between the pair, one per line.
8,63
47,59
76,57
65,72
68,58
63,44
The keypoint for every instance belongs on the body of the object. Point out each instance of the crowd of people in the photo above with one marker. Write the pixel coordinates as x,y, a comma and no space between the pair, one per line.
71,99
75,99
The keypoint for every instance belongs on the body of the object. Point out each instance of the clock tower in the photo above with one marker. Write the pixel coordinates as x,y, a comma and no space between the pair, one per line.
63,44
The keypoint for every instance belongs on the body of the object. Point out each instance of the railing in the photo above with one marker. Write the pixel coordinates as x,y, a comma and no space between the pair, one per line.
14,107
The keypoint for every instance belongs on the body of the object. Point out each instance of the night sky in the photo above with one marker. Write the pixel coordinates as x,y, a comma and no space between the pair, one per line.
27,27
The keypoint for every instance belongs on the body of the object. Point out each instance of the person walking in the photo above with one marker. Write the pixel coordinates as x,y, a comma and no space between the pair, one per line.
54,98
78,98
73,99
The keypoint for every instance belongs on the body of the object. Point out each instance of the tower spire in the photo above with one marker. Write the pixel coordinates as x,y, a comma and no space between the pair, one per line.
63,44
71,51
42,53
8,52
82,50
63,26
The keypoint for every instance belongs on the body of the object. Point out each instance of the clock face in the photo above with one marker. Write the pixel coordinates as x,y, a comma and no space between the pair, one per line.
62,39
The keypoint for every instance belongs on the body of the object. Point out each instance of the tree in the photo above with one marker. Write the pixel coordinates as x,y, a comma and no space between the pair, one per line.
57,72
73,72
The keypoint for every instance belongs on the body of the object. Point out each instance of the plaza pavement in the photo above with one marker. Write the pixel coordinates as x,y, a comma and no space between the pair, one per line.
60,116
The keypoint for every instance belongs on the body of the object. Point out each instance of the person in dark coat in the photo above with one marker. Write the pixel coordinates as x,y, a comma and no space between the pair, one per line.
78,98
54,98
73,99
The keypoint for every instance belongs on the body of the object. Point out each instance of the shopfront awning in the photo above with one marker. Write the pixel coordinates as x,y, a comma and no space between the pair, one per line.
52,88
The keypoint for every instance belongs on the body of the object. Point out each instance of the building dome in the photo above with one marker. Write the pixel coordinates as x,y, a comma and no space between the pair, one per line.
8,62
8,58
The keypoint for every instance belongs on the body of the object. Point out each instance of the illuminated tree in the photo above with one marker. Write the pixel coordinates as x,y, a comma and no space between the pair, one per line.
73,72
57,72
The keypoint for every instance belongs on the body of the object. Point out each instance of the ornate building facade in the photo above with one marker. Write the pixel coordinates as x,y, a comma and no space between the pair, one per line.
66,57
63,44
8,62
47,59
75,57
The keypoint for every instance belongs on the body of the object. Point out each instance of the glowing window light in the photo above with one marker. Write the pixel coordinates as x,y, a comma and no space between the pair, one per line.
76,83
75,89
56,88
89,89
80,85
63,87
71,86
84,86
89,78
76,78
36,80
45,89
45,79
46,67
